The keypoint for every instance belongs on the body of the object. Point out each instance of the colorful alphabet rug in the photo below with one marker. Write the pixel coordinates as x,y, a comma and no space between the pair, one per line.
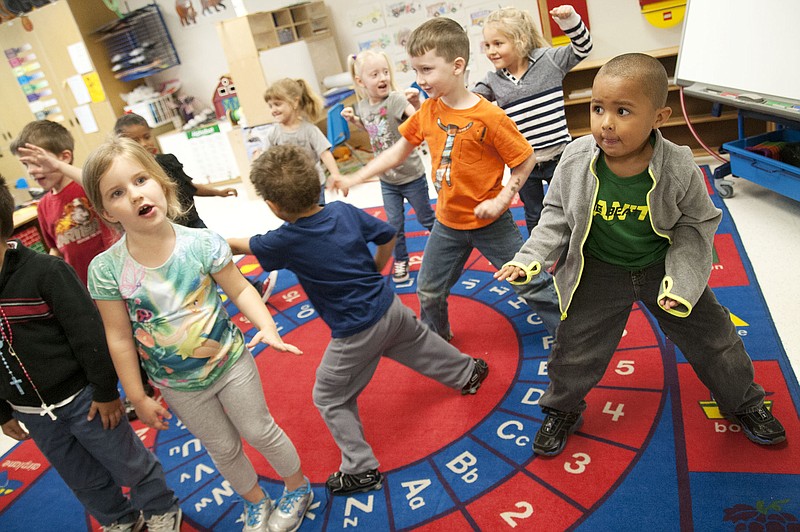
654,452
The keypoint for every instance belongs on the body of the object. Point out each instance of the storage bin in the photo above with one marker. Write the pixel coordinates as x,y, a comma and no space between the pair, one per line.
774,175
156,112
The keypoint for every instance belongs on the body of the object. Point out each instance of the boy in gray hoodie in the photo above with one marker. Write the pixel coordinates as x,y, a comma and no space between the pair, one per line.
628,218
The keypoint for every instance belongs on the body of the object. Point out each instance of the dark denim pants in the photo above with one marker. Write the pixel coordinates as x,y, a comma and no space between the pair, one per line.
596,319
416,192
532,192
95,462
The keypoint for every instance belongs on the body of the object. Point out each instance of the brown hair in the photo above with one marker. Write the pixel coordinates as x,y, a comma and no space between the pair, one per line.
128,120
296,90
286,176
443,35
46,134
518,26
6,211
646,71
100,161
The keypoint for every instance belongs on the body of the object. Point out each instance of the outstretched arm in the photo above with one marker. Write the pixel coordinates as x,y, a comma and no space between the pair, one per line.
385,161
240,246
207,190
48,162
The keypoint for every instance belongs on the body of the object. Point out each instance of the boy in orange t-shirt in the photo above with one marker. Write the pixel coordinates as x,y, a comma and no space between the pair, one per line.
471,141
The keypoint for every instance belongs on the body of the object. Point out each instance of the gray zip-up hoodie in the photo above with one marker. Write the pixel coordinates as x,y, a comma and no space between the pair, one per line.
680,211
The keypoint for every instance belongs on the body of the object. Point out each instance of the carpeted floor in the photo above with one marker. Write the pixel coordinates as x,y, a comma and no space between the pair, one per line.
653,453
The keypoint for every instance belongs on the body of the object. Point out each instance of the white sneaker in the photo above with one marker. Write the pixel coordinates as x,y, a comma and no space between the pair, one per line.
134,526
291,509
400,274
256,514
166,522
269,285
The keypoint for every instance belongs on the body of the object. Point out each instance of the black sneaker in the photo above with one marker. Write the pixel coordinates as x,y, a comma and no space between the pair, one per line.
400,274
760,426
480,369
345,483
551,437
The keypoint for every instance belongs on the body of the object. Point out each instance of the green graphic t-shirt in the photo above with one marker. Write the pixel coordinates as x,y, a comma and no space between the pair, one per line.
183,334
621,231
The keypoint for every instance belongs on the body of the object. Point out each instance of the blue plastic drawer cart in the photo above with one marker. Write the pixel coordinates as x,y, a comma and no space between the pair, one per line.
769,173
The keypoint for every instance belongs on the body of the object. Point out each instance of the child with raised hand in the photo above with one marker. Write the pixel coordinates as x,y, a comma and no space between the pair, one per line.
60,384
380,109
136,128
527,86
156,292
295,107
657,250
471,142
366,318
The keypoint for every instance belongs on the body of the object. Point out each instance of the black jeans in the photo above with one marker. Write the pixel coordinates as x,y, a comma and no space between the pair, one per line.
596,318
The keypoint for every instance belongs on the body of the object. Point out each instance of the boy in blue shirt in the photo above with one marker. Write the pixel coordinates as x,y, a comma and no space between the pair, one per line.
628,218
326,247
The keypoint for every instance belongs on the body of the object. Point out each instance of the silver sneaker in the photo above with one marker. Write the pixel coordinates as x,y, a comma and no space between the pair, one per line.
166,522
256,514
291,509
133,526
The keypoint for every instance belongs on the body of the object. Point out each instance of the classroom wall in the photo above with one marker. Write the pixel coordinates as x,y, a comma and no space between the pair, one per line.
617,26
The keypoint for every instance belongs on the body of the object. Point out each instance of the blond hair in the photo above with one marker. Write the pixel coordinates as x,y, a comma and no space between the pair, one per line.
518,26
444,36
355,63
100,161
296,90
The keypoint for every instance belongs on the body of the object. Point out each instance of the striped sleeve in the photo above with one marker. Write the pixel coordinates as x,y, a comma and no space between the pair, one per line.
578,33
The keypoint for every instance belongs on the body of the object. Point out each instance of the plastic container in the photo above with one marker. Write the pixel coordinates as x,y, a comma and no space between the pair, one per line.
775,175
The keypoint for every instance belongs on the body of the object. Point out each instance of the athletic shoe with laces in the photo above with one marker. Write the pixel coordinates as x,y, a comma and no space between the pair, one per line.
346,483
551,437
480,369
400,274
133,526
290,509
269,285
256,514
166,522
760,426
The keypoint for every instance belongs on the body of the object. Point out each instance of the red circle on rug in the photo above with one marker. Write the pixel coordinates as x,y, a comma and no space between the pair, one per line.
390,403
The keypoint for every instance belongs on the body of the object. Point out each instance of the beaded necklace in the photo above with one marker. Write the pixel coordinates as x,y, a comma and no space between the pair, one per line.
7,338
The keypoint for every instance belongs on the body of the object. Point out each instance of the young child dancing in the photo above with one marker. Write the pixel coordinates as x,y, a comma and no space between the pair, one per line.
295,107
527,86
380,109
366,318
471,142
656,250
63,388
136,128
153,304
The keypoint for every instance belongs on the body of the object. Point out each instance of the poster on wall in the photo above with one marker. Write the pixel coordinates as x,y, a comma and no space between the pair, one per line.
367,17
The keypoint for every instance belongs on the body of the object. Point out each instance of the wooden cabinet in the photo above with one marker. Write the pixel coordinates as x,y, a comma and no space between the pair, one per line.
251,44
713,130
55,30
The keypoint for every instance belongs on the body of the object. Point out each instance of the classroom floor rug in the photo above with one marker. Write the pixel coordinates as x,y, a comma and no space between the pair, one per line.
654,452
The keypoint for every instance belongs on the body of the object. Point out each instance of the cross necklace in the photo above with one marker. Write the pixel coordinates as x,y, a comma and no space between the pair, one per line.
6,339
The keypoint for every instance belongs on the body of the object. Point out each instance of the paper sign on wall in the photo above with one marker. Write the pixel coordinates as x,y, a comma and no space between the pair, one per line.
95,88
86,118
79,90
80,58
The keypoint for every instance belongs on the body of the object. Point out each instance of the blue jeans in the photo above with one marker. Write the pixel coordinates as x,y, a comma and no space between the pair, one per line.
532,192
447,252
416,192
95,462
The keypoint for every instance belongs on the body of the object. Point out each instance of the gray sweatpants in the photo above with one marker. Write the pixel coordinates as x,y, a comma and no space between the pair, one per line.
349,363
231,409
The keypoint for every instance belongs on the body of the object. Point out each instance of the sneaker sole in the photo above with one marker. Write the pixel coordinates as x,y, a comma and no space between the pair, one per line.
574,428
271,280
474,389
401,279
375,487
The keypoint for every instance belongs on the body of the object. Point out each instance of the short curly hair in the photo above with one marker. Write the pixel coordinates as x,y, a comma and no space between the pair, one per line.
287,176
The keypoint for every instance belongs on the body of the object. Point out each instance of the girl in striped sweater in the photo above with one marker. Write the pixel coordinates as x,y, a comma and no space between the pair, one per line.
527,86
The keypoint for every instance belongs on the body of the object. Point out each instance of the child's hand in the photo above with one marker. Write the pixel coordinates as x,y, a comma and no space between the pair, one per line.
562,12
110,413
152,413
225,192
490,209
274,341
13,429
32,154
509,273
343,183
668,303
349,115
413,97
